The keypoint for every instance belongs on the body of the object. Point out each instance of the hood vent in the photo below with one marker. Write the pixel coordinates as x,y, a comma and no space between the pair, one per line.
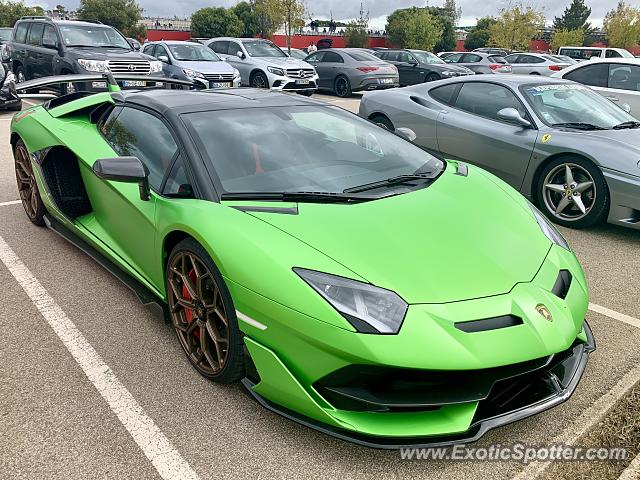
562,285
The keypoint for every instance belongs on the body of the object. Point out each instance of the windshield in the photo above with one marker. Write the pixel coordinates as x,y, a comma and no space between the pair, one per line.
427,57
92,36
261,48
299,54
304,149
192,53
5,34
572,103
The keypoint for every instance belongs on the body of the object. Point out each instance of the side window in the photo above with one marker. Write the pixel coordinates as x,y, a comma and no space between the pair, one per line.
35,34
404,57
487,99
49,37
612,54
220,47
445,94
160,51
20,35
315,57
382,55
332,57
234,48
454,58
140,134
392,56
532,59
471,58
512,58
594,75
177,184
624,77
148,50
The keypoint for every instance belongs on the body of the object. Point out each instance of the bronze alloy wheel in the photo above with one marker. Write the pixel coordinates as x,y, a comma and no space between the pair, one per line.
27,186
198,312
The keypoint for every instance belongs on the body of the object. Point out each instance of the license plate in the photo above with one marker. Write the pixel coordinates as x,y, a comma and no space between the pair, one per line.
386,80
134,83
220,85
302,82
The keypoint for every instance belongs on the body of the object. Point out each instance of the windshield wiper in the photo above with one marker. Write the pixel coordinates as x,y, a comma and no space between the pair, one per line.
399,180
579,126
311,197
629,124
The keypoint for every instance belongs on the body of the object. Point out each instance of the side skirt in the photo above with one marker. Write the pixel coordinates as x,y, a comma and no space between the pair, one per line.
143,293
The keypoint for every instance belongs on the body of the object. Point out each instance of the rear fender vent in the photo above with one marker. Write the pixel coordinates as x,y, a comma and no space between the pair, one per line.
419,101
487,324
562,285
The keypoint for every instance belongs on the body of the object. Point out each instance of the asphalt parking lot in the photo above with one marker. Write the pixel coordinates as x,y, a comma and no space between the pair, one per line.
55,422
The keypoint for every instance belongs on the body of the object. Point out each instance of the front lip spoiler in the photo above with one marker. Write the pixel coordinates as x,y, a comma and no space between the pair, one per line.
475,431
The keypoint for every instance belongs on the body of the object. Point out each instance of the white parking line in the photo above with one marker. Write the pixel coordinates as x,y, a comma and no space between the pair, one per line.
621,317
157,448
12,202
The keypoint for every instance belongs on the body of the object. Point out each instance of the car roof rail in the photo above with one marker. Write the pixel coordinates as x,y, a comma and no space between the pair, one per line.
92,21
35,17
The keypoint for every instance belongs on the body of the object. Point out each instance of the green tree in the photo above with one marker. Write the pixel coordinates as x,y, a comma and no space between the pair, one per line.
356,31
245,12
574,17
10,12
563,38
622,26
446,18
268,17
216,22
290,13
121,14
515,27
413,28
453,10
478,36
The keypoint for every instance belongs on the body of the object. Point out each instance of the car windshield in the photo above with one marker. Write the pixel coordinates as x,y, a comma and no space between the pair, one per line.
260,48
304,149
299,54
193,53
5,34
427,57
574,104
92,36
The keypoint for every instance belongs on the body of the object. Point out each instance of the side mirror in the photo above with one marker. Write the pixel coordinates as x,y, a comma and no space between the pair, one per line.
406,133
240,54
626,107
512,115
164,59
124,169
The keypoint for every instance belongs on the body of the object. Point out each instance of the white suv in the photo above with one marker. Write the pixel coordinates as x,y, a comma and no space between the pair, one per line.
263,65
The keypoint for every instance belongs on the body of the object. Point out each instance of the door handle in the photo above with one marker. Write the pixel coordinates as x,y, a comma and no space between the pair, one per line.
614,99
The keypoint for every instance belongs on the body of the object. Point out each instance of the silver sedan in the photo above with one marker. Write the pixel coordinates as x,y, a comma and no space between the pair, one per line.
535,64
571,151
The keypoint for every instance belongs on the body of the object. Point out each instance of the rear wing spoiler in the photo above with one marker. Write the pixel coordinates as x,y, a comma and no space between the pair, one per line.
110,79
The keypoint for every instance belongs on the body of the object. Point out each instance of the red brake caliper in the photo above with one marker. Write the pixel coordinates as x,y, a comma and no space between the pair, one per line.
188,314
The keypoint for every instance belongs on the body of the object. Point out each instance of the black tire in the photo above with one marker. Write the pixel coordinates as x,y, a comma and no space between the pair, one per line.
16,107
190,258
551,190
259,80
21,76
383,121
432,77
27,186
342,87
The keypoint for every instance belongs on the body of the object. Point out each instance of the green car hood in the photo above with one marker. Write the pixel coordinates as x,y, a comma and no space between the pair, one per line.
459,238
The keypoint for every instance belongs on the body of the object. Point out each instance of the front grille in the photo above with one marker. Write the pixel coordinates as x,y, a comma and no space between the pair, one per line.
300,73
134,67
219,77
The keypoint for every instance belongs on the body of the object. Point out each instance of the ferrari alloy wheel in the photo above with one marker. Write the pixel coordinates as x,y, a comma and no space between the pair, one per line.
27,186
573,193
342,87
202,313
259,80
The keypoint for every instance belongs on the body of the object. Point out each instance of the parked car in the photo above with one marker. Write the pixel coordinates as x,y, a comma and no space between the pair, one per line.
492,51
418,66
480,63
565,59
263,65
571,151
135,44
5,37
9,99
535,64
346,70
346,278
445,54
618,79
587,53
296,53
42,47
193,61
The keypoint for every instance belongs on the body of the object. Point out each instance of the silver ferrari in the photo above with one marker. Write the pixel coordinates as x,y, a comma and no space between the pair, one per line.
567,148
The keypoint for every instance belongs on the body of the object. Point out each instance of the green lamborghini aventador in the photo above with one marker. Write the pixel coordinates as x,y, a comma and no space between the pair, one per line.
351,281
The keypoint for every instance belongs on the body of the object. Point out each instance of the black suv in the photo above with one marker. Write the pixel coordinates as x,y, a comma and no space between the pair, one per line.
42,47
418,66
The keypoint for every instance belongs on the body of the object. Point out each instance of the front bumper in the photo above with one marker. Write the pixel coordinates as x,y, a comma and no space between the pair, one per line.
436,382
624,190
204,83
283,83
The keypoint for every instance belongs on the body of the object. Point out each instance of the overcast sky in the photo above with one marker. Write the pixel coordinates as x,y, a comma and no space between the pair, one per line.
379,9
